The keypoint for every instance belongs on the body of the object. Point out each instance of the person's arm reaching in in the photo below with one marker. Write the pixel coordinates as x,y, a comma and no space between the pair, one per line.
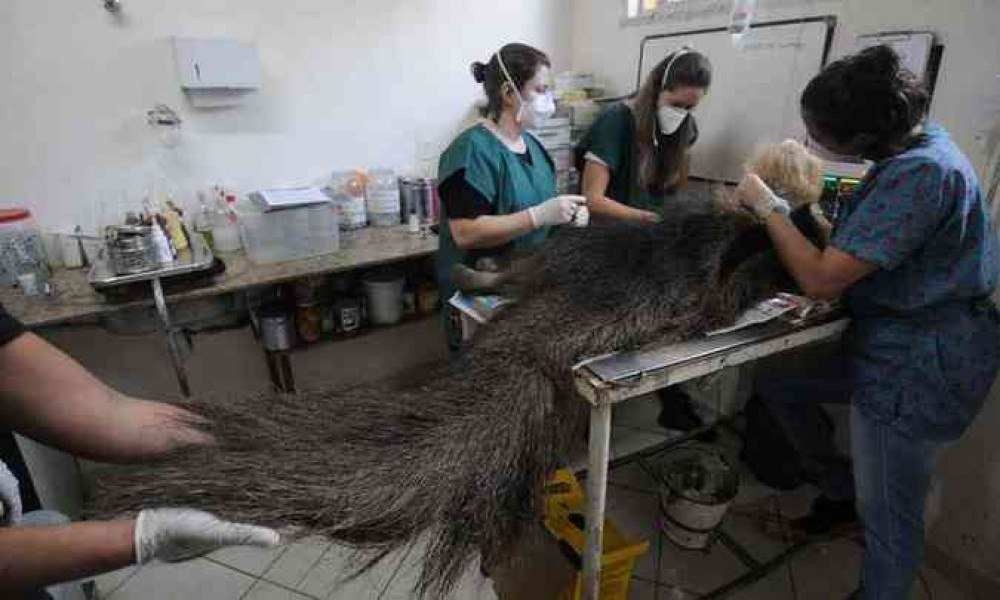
33,557
49,397
596,177
822,274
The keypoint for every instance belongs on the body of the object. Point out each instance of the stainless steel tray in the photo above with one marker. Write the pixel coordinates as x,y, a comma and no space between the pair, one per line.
196,258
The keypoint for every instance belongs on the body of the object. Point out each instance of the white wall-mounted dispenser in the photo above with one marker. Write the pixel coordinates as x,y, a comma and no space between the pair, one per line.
216,71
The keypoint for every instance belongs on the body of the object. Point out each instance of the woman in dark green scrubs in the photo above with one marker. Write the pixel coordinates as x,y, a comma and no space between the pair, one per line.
497,182
635,155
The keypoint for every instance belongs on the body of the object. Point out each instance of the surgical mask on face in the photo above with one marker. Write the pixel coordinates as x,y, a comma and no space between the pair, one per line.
531,114
670,118
537,111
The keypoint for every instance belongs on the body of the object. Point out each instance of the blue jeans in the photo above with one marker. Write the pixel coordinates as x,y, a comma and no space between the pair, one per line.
891,473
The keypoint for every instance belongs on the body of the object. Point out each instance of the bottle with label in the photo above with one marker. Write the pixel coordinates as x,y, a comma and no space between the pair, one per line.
203,222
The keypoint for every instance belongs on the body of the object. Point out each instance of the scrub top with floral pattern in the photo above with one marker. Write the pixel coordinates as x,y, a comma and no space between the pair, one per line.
924,345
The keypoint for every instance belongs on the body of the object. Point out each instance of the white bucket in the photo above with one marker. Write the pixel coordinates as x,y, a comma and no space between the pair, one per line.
385,298
699,486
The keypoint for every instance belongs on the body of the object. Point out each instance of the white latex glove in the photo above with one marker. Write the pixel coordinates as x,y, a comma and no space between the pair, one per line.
175,534
582,216
754,194
10,497
556,211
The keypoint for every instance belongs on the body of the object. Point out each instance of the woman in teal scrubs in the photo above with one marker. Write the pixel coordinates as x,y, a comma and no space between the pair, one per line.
635,155
497,182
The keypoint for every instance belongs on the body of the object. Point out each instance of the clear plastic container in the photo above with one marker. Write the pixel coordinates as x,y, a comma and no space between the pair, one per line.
22,251
288,234
347,190
382,197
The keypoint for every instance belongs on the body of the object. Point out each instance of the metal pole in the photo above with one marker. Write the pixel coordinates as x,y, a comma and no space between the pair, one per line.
597,488
175,352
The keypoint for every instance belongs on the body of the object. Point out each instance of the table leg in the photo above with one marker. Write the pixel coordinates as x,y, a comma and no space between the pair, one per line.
172,346
271,359
286,373
597,486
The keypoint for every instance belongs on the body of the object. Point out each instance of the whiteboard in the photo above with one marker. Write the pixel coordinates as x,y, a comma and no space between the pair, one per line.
755,91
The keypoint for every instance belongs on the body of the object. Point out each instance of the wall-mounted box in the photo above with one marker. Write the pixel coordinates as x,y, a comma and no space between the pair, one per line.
216,72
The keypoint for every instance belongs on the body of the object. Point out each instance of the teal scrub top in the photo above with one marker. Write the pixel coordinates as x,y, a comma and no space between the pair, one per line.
612,139
503,178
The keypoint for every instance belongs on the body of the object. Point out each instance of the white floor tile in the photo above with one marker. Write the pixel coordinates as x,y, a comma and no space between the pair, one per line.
107,583
938,587
295,562
248,558
191,580
328,578
698,570
264,590
827,570
776,586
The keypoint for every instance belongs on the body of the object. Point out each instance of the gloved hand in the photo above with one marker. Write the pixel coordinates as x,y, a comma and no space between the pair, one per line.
175,534
10,497
754,194
556,211
582,216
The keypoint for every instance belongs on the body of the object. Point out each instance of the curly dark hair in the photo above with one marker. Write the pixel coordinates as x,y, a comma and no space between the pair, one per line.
867,101
521,60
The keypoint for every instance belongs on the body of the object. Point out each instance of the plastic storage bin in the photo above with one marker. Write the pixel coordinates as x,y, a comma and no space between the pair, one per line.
564,510
288,234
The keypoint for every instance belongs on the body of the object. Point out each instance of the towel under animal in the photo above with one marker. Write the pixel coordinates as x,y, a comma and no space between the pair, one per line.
458,458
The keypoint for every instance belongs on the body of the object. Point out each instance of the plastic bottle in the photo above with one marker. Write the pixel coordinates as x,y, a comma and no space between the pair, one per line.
382,198
203,222
225,229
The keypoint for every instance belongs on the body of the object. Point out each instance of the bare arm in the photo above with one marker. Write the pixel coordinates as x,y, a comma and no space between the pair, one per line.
32,557
822,274
489,231
596,178
48,396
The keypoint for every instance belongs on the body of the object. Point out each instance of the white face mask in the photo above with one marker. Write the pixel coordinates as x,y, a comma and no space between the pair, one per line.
530,114
670,118
537,111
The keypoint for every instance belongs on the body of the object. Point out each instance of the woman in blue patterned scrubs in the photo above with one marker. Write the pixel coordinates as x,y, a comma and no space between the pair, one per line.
914,254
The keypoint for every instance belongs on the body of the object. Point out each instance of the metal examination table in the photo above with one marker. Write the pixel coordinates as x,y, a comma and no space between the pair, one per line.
606,381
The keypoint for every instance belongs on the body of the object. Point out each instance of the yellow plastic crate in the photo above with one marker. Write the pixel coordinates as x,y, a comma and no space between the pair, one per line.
562,490
618,555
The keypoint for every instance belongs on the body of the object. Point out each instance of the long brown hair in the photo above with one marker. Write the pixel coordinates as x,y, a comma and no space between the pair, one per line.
661,157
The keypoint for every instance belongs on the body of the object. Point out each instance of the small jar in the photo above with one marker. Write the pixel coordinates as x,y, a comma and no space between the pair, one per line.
309,322
428,297
348,315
